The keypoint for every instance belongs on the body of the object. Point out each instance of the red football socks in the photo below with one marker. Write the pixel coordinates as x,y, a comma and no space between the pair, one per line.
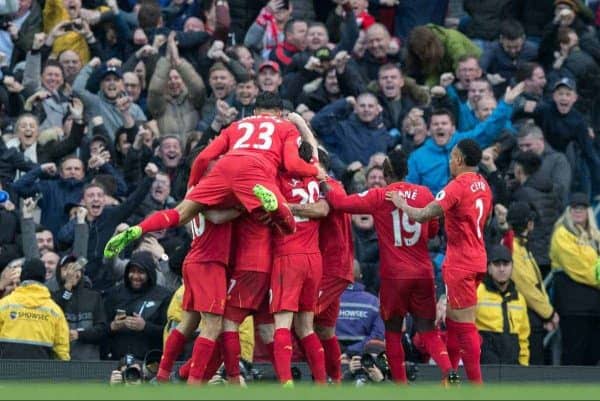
282,354
437,349
452,344
215,361
160,220
232,350
201,354
333,356
173,348
470,348
184,370
315,357
395,354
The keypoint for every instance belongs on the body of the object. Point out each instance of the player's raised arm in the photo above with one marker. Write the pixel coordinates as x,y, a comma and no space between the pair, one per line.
365,202
216,148
421,215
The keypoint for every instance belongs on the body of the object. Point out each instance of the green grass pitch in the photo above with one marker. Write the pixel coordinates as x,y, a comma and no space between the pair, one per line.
419,391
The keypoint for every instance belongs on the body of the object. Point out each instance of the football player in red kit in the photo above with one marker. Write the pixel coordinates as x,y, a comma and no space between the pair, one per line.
257,148
295,279
406,271
337,252
466,204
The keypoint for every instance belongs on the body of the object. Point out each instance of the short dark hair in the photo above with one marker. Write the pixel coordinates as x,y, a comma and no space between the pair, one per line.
470,151
268,101
511,29
529,162
525,71
324,159
305,151
93,185
398,163
40,229
530,128
54,63
149,15
289,26
443,112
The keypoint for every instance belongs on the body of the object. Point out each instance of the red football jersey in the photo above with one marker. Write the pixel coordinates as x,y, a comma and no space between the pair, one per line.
335,240
467,204
211,242
306,238
274,139
403,250
251,245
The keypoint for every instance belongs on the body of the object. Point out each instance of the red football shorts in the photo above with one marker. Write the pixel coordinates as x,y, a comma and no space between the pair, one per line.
295,282
246,292
402,296
205,287
461,286
328,304
234,177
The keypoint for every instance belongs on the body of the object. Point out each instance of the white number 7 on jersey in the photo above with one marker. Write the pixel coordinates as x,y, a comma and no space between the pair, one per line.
479,207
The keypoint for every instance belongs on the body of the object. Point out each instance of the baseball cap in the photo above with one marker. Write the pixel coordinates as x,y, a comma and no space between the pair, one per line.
324,54
498,253
568,82
33,269
579,199
72,259
107,70
269,64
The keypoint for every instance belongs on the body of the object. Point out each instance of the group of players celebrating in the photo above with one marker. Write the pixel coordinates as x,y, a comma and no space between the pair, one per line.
285,255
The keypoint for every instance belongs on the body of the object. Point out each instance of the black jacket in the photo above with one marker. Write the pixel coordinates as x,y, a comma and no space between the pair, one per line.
486,16
574,299
101,229
540,192
534,15
84,311
9,249
150,302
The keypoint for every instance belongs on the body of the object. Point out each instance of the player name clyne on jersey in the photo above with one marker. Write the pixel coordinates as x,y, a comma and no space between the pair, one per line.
411,194
478,186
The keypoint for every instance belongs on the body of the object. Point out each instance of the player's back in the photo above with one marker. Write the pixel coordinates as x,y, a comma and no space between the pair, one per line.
260,136
335,240
469,200
306,238
210,243
402,242
251,245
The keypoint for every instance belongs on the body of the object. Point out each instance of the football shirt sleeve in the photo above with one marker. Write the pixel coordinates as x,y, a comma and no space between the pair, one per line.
292,162
364,202
215,149
449,196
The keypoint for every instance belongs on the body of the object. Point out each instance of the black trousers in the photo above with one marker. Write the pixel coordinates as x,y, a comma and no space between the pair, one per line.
580,345
536,338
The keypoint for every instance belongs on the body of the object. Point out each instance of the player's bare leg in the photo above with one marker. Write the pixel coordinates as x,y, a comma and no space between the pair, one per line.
204,346
282,347
332,351
436,348
462,331
176,342
279,211
303,325
394,349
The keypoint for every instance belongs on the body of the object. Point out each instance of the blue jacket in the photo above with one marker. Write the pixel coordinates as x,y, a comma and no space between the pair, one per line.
348,137
359,320
495,60
56,193
429,166
467,120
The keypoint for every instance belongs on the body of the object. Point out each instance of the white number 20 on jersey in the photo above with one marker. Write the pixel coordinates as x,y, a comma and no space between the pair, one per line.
264,140
306,197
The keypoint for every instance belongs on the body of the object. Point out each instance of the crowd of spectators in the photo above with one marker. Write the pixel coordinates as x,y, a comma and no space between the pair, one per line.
105,103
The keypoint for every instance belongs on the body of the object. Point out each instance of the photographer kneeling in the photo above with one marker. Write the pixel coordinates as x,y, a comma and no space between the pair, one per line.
132,371
371,366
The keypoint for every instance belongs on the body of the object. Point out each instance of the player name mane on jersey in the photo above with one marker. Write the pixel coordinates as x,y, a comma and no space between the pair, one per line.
478,186
409,194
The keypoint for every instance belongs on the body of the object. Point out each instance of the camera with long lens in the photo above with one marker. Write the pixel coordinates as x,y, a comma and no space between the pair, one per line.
132,373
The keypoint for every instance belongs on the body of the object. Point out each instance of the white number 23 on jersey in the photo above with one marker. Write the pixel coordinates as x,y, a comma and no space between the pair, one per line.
262,142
